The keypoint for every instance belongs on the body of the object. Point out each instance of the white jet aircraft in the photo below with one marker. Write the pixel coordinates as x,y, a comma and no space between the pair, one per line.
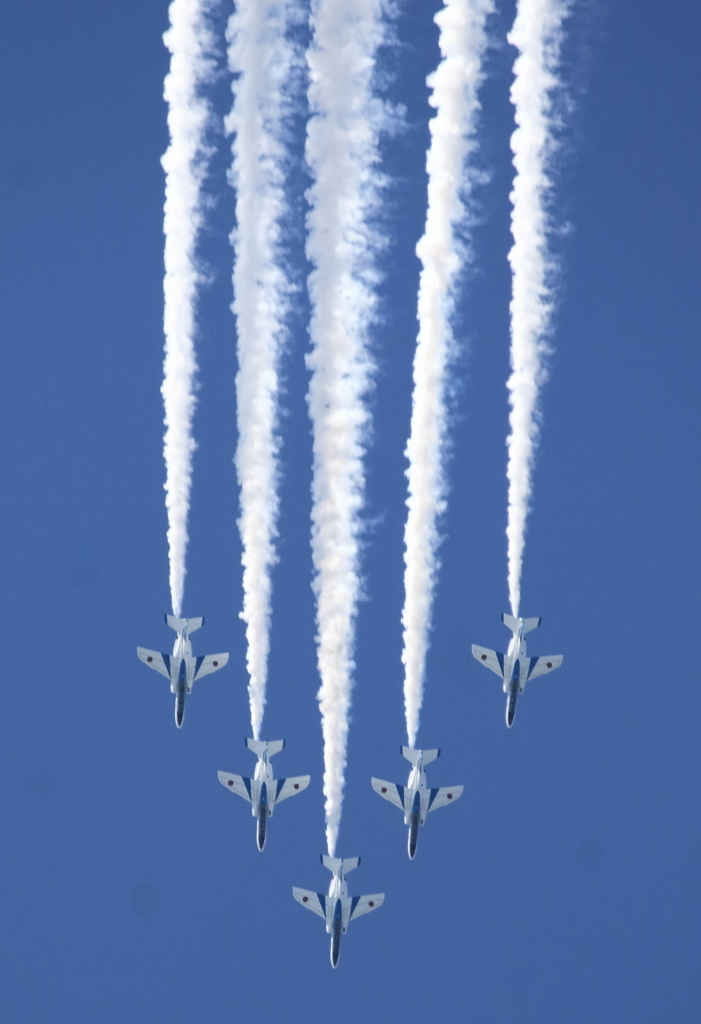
338,908
263,792
181,667
416,799
515,668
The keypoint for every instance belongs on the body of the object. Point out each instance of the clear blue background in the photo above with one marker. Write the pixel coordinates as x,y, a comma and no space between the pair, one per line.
564,887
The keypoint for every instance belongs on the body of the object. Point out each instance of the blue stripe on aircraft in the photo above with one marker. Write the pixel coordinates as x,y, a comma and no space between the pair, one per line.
166,659
247,784
500,659
431,798
400,791
280,784
531,666
200,659
322,900
354,904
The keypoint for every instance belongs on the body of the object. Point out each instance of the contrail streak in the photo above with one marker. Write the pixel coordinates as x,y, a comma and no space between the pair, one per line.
185,162
537,34
263,59
455,84
341,152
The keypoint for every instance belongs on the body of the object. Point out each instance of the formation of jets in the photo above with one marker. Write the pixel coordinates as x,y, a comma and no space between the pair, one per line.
415,799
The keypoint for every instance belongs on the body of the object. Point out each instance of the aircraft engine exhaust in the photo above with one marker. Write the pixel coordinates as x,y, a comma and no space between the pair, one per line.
341,152
263,60
192,66
537,35
451,178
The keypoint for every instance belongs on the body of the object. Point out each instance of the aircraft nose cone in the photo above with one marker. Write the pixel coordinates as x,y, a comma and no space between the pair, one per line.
179,708
335,948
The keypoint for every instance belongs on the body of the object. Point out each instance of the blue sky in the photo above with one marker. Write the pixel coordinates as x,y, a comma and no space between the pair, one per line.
564,886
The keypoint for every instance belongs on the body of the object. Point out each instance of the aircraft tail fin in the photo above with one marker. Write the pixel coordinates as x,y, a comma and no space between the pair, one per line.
513,623
179,624
334,864
413,755
259,746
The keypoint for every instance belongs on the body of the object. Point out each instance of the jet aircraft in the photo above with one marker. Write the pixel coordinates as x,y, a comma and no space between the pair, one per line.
515,668
338,908
181,667
263,792
416,799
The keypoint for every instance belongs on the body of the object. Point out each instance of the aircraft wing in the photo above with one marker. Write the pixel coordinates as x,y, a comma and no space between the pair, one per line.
389,791
315,901
490,659
539,666
444,796
364,904
210,663
237,784
161,662
290,787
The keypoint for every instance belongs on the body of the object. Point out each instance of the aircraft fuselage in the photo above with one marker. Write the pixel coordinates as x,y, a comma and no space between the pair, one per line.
516,666
336,929
414,822
263,812
339,899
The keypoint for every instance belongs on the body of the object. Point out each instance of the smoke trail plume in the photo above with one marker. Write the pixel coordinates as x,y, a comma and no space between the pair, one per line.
536,34
263,59
185,163
341,152
455,85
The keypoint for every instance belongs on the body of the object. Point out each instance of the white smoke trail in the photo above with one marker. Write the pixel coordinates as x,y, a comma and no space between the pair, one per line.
185,162
455,85
537,34
263,59
341,153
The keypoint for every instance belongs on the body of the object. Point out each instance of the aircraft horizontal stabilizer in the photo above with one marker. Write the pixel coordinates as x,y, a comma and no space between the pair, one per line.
334,863
315,901
391,791
237,784
413,755
512,623
444,796
210,663
179,624
365,904
154,659
258,746
540,666
490,659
